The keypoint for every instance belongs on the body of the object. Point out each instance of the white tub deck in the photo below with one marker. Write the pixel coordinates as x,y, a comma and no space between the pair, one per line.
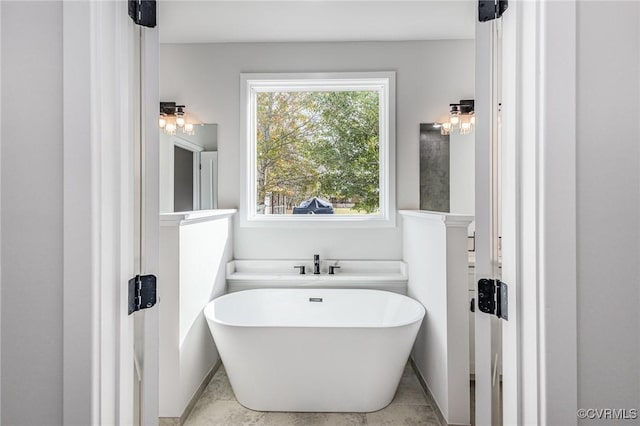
388,275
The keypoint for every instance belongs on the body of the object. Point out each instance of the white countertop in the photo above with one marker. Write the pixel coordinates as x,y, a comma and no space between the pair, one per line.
448,218
187,218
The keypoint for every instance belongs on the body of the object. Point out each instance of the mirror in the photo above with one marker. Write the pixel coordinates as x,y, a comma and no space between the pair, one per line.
189,170
447,171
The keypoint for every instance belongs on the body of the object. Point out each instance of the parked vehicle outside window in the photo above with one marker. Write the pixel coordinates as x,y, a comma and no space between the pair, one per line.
314,205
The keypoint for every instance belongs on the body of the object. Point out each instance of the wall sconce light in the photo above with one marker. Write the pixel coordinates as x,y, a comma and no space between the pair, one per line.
445,128
461,117
172,117
454,115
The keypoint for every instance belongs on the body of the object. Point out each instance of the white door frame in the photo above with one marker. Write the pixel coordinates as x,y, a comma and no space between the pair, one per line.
150,252
208,177
539,213
81,363
98,81
100,89
484,323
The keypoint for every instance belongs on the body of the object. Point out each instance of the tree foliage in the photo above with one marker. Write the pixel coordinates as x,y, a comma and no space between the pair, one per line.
319,144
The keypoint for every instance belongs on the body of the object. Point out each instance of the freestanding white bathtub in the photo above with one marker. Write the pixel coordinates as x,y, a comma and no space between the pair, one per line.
333,350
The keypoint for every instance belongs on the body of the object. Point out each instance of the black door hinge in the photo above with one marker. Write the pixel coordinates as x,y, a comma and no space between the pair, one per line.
489,10
493,298
143,12
142,292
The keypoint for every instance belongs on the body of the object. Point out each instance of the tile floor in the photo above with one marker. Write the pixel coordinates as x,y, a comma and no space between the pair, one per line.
218,406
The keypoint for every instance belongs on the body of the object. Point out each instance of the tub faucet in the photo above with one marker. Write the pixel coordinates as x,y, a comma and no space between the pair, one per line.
316,264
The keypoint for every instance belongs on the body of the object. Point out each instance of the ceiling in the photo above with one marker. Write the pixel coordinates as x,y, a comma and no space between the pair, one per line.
187,21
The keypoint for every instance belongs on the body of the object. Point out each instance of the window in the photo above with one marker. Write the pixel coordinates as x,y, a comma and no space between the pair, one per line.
318,149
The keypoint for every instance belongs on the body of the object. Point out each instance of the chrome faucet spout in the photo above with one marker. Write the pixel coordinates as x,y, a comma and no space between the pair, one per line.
316,264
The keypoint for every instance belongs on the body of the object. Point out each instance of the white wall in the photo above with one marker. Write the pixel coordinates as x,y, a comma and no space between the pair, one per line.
192,272
608,205
31,197
438,278
461,173
430,75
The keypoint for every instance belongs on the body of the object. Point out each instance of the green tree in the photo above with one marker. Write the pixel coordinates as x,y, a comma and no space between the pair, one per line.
349,148
285,122
319,144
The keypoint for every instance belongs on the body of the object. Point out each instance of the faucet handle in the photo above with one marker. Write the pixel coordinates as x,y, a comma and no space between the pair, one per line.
332,269
301,267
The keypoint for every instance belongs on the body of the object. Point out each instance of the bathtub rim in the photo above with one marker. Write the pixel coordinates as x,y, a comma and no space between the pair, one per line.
209,307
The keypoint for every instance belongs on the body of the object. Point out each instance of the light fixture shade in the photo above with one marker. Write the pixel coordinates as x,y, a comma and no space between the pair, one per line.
162,122
465,128
188,129
170,128
445,129
180,121
454,115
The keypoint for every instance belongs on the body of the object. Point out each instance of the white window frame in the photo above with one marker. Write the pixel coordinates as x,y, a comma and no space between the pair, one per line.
251,84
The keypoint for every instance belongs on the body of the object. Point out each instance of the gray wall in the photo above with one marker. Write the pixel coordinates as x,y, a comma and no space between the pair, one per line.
434,169
31,222
608,205
430,75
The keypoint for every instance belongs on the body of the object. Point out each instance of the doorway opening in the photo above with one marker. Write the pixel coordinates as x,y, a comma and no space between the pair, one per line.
180,77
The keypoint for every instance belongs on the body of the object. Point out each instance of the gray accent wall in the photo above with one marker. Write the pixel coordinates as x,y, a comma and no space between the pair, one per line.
434,169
